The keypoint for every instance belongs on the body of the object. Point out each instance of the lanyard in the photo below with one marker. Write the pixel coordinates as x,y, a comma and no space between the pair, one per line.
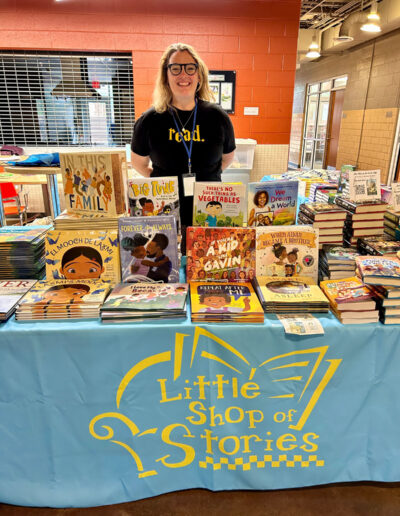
187,149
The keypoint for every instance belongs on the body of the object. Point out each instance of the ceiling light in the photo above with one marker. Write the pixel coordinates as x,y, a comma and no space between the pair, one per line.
372,25
313,49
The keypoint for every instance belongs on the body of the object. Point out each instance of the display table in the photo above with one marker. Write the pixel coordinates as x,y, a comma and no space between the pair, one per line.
34,175
94,414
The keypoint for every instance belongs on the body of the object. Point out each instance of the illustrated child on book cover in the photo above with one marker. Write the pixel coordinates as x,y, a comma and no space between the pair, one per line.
222,299
81,262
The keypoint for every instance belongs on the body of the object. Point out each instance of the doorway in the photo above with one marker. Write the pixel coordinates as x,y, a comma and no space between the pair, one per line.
332,137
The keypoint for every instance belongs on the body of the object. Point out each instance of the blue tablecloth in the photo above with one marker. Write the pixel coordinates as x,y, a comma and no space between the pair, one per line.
94,414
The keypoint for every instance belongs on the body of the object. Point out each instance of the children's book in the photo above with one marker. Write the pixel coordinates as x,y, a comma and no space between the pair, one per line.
82,255
378,245
94,182
149,249
224,302
348,294
147,297
219,204
343,181
287,251
11,291
272,203
318,211
150,196
300,294
379,270
336,255
220,254
63,299
361,207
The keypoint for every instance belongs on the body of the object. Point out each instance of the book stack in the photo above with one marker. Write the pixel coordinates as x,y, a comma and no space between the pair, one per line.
22,252
351,301
327,218
388,302
84,221
336,262
62,299
363,219
290,295
225,302
378,245
11,291
391,223
322,192
133,302
382,275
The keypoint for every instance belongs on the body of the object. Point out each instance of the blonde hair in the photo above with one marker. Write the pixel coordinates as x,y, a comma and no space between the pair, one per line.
162,95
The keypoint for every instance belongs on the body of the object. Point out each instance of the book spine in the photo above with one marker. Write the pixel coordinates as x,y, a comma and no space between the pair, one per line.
392,217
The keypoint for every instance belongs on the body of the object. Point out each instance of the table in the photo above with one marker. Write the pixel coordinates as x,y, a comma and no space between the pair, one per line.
94,414
31,174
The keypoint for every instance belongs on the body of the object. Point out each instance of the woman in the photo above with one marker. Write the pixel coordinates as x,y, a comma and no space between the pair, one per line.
183,130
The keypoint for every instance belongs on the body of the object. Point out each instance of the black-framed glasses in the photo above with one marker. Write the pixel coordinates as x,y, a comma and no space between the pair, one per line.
176,68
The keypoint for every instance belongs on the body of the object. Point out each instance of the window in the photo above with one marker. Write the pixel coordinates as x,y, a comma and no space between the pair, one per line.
66,98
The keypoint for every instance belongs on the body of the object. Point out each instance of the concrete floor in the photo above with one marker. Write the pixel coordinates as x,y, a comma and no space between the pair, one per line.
361,499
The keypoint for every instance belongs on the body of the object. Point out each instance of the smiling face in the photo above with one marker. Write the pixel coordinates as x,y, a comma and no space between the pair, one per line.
68,294
82,267
215,301
183,86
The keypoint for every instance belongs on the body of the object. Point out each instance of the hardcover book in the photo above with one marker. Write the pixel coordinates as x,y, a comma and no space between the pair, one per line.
339,254
348,294
94,182
219,204
287,251
361,207
149,251
147,297
272,203
378,245
82,255
225,302
336,225
300,294
12,291
226,254
150,196
379,270
317,211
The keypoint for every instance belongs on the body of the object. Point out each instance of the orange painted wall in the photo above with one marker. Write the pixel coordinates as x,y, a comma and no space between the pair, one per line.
260,44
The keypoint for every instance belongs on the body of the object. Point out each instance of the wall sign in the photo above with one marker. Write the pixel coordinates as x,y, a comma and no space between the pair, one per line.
223,85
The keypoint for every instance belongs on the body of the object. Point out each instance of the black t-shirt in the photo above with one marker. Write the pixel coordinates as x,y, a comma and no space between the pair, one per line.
155,135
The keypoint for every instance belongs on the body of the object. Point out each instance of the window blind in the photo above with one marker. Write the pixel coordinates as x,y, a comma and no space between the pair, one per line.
69,98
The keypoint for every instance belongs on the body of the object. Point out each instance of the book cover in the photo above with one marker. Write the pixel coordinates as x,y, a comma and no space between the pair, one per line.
147,297
374,269
151,196
82,255
94,182
302,218
287,251
343,181
11,291
225,254
318,211
362,207
365,185
149,249
339,254
272,203
63,292
378,245
290,290
219,204
227,299
350,290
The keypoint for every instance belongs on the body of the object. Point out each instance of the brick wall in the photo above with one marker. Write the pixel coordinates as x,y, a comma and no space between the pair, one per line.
371,101
257,39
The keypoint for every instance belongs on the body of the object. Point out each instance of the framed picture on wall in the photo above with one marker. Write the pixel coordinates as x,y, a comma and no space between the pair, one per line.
223,85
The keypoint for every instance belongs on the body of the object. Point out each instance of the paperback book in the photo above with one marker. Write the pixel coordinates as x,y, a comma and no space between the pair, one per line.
149,251
94,182
151,196
82,255
272,203
287,251
224,254
224,302
219,204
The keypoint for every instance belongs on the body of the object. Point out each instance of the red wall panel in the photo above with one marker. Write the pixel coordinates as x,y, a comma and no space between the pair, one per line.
258,39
